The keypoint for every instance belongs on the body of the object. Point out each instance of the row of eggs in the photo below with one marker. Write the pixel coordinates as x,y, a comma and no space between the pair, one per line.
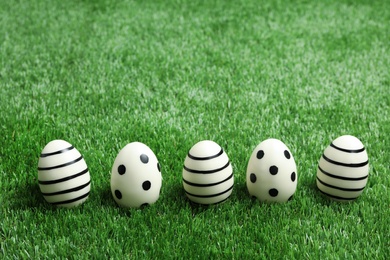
207,175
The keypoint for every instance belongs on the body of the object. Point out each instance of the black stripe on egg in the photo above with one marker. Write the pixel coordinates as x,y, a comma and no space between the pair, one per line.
352,165
207,184
71,200
68,190
338,188
342,177
63,179
210,195
60,165
57,152
208,171
197,158
347,150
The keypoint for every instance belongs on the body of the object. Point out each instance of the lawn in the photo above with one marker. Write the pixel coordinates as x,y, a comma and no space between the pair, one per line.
101,74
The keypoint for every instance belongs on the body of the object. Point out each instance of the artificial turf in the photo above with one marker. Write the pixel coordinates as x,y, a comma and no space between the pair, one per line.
101,74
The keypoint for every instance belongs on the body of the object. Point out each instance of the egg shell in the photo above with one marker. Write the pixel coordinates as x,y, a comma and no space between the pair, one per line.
136,176
207,173
63,175
272,173
343,169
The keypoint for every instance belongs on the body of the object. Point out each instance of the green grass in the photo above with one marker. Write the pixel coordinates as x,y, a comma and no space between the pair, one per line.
101,74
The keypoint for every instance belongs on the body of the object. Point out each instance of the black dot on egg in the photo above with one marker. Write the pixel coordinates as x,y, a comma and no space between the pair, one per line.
273,170
287,154
158,167
144,158
118,194
253,177
260,154
121,169
293,176
273,192
146,185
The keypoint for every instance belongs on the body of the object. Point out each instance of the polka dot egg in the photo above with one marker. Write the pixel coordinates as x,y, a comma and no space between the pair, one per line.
63,175
207,173
136,176
271,173
343,169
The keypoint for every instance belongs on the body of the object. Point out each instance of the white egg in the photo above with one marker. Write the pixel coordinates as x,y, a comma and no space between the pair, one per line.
343,169
63,175
136,176
207,173
272,173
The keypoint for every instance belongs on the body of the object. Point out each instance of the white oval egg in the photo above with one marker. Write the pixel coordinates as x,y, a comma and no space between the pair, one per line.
207,173
343,168
272,173
63,175
136,176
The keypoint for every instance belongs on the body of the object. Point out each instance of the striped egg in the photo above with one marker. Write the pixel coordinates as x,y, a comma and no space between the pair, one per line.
343,169
63,175
207,173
